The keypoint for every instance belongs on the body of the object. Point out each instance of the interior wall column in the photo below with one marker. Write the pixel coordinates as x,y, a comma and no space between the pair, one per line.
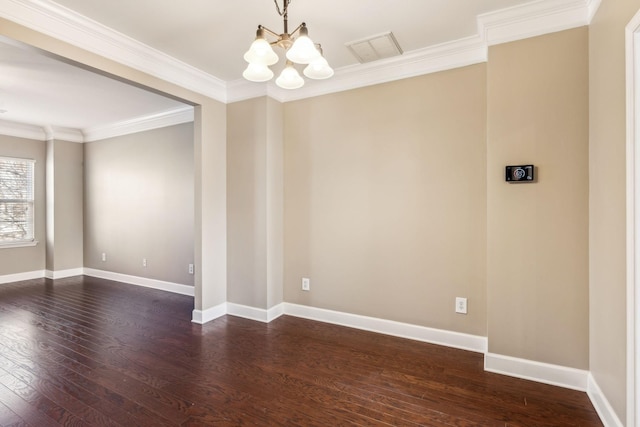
210,176
64,208
255,206
275,203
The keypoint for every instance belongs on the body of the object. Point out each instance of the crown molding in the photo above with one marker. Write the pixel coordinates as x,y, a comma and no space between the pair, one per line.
506,25
139,124
446,56
22,130
126,127
69,26
528,20
459,53
62,133
39,133
592,9
241,89
535,19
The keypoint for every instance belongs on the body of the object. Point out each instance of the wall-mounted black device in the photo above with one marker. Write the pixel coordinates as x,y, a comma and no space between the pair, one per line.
521,173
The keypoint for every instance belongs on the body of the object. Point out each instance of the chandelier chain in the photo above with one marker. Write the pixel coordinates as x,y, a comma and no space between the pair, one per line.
285,4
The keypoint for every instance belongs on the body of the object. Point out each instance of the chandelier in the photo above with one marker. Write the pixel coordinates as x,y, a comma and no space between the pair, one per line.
299,50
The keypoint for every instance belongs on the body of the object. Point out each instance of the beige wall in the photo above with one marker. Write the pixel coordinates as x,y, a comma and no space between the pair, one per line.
246,204
254,205
32,258
210,173
607,194
385,200
392,212
537,246
275,202
65,221
50,199
139,204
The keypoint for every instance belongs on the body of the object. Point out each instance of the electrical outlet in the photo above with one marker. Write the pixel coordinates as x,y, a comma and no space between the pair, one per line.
144,262
104,256
306,284
190,268
461,305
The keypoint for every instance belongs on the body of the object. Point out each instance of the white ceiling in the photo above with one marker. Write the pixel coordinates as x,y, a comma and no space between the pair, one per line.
212,36
42,91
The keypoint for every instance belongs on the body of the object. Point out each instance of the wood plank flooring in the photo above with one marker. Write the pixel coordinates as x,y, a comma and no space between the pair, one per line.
90,352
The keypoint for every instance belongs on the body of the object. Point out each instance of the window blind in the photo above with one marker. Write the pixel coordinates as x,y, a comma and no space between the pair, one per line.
16,200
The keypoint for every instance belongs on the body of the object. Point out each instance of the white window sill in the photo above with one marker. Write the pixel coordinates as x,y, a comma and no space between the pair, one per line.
18,244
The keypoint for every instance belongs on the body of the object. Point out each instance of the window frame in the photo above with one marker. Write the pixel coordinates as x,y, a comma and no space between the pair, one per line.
31,203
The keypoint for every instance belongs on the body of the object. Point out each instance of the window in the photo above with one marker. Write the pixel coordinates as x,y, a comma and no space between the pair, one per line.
16,201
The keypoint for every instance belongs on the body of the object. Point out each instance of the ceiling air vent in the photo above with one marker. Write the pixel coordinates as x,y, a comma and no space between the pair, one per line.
375,47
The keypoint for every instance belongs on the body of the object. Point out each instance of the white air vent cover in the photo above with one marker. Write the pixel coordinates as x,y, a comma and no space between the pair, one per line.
375,47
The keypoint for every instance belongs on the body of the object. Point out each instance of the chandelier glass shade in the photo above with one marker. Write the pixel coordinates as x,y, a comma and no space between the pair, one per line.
261,51
258,73
318,69
299,48
290,78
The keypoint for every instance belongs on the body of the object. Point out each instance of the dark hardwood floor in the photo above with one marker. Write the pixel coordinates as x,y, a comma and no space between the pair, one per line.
90,352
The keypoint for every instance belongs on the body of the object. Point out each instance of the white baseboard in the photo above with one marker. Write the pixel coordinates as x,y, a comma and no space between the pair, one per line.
253,313
602,405
390,327
18,277
546,373
212,313
176,288
61,274
275,312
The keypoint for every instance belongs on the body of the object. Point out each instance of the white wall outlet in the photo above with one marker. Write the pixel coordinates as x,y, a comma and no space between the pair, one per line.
461,305
144,262
306,284
104,256
190,268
